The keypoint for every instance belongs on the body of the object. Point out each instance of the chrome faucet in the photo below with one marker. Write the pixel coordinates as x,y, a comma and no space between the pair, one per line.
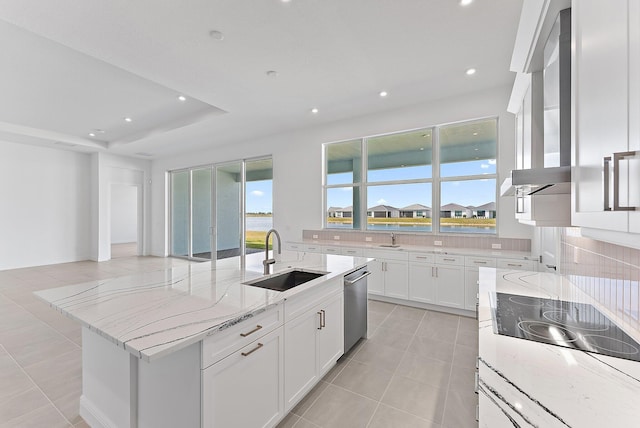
267,261
393,238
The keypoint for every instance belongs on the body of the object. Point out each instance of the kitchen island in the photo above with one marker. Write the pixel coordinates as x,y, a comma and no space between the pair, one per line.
527,383
193,346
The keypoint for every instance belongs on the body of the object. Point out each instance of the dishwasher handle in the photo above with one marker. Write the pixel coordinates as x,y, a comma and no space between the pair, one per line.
353,281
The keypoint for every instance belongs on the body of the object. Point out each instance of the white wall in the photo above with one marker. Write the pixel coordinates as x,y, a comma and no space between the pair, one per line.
45,206
124,213
297,164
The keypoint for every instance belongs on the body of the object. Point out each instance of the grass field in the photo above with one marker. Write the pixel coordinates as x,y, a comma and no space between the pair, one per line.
255,239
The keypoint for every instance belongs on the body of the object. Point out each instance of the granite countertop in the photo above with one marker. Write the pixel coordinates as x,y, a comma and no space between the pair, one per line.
526,383
509,254
155,313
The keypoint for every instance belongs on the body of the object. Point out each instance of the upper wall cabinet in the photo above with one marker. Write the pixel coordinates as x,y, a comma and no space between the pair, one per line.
606,117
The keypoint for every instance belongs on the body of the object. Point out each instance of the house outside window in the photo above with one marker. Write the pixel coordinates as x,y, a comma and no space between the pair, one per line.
391,182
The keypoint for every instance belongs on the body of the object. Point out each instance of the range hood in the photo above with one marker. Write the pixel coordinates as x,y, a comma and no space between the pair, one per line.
538,181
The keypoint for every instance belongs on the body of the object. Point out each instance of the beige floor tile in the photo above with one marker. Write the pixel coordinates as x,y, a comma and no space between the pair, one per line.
432,348
337,407
381,356
462,379
62,366
20,404
415,397
468,324
335,371
381,307
69,406
441,319
13,380
465,356
388,417
46,416
401,325
408,312
61,385
309,399
467,338
426,370
289,421
34,352
303,423
460,411
363,379
444,333
81,424
391,337
376,318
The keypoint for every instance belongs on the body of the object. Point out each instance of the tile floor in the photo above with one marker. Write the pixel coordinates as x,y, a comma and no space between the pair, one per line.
415,370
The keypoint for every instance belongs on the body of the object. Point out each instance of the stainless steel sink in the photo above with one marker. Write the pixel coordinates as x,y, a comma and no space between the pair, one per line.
286,280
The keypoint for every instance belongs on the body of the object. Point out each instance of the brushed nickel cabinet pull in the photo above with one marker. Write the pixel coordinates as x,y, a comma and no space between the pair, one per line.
479,262
320,313
246,354
514,264
258,327
323,319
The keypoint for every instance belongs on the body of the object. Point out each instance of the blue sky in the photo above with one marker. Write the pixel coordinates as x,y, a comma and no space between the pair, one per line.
475,192
259,196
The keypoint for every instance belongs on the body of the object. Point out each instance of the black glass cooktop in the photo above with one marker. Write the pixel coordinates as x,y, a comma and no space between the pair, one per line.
568,324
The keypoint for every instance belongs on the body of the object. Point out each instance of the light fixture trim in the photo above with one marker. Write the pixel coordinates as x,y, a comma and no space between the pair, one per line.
470,71
465,2
314,110
128,119
182,98
383,94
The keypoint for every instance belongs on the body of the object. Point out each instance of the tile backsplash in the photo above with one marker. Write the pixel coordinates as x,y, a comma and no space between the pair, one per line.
450,241
609,273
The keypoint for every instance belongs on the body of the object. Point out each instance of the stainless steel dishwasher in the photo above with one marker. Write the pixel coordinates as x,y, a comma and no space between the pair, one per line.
355,307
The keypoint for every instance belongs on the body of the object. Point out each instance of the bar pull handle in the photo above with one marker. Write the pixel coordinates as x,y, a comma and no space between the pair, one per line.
353,281
258,327
323,319
320,326
480,262
605,182
246,354
616,180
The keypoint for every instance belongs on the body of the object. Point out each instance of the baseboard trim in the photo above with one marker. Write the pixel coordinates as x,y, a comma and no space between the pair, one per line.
421,305
93,416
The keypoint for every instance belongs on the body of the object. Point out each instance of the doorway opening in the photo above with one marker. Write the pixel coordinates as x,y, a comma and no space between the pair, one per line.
124,220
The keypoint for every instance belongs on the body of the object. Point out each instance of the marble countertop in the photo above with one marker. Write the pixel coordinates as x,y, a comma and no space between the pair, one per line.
155,313
523,255
526,383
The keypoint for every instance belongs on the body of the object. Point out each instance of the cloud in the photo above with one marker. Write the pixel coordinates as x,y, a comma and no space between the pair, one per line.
484,166
492,161
257,193
381,201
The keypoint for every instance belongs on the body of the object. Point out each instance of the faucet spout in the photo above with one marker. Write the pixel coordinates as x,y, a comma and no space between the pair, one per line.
267,261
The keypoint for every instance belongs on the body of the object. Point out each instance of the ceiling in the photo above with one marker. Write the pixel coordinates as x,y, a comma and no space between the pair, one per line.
71,69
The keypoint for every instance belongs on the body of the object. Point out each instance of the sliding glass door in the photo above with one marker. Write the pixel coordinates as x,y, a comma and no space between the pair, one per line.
210,206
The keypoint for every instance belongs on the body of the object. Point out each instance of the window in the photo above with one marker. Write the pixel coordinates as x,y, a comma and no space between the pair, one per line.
453,167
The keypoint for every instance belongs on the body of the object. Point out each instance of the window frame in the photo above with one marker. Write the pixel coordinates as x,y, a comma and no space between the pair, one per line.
435,180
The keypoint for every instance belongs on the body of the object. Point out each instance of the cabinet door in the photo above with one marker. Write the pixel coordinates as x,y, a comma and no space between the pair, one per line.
600,96
300,354
331,335
396,279
375,281
245,389
421,284
450,286
471,276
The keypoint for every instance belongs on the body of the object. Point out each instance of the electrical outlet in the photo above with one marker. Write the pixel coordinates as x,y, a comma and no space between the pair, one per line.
336,237
496,246
368,238
437,243
315,236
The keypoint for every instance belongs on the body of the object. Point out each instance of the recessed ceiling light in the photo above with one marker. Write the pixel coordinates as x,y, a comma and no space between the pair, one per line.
383,94
182,98
91,134
465,2
128,119
314,110
216,35
470,71
272,73
285,1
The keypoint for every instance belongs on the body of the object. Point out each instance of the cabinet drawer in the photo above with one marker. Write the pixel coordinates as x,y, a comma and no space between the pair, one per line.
388,255
480,261
332,250
301,303
293,246
447,259
517,264
421,258
223,343
355,252
313,248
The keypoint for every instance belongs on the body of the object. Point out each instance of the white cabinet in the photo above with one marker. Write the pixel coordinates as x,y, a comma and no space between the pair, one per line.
516,264
389,274
245,389
421,280
606,107
471,275
314,340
